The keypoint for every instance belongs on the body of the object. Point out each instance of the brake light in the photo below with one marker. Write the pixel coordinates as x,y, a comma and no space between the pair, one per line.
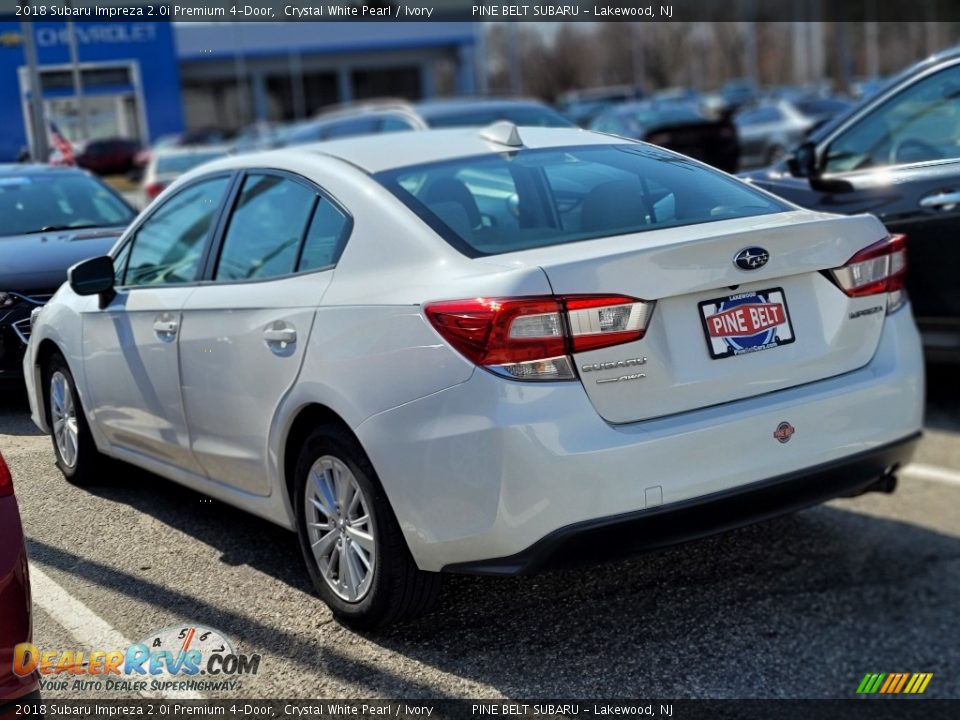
6,482
532,338
154,189
878,269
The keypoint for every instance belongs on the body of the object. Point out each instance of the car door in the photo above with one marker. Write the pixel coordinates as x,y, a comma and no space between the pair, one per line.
245,331
900,160
130,345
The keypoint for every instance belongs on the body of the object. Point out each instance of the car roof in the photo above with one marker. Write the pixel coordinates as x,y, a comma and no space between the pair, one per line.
377,153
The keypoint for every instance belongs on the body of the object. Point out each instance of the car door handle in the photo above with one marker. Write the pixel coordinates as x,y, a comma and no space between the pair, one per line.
279,336
941,200
165,328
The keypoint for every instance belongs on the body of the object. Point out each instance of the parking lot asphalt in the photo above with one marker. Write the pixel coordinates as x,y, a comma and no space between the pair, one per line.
802,606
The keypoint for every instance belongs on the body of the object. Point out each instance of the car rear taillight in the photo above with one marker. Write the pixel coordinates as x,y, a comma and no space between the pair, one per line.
6,482
878,269
154,189
532,338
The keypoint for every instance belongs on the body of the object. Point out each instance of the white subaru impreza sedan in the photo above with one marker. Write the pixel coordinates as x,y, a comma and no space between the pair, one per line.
483,350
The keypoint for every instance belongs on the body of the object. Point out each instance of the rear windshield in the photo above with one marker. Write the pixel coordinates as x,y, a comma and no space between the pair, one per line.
492,204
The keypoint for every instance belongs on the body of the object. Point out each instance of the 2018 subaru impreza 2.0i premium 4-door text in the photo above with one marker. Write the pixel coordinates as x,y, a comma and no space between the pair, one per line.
483,351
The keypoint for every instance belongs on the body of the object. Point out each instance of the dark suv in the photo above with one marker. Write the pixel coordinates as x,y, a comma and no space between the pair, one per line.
896,155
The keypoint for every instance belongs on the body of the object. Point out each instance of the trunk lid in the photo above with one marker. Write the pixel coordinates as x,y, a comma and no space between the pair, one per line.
808,327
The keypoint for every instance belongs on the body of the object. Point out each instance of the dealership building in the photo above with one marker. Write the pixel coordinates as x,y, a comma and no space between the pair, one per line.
146,79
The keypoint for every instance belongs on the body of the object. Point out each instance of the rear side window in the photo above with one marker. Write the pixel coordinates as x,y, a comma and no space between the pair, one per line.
325,237
504,202
265,230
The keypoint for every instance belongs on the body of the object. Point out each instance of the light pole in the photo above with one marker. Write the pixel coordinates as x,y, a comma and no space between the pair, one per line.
38,126
77,78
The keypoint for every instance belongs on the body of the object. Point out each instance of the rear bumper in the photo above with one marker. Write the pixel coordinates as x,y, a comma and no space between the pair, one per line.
491,468
625,535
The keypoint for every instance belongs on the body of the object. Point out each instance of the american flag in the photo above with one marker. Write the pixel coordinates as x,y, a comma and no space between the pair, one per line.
62,146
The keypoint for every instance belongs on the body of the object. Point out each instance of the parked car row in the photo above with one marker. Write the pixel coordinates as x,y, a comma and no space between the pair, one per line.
739,127
686,128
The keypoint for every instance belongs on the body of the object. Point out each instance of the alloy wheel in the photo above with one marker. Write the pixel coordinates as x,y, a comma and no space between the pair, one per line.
63,414
340,529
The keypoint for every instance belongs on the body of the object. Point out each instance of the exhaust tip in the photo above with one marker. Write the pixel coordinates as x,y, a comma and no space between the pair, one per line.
886,483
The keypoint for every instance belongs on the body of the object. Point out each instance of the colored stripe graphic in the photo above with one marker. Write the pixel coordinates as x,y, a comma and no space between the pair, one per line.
892,679
903,681
894,683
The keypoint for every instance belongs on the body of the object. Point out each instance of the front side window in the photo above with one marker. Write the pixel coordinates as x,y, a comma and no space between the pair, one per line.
498,203
168,247
263,237
920,124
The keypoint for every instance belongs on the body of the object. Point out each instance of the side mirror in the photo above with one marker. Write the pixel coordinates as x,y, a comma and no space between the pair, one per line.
802,162
93,277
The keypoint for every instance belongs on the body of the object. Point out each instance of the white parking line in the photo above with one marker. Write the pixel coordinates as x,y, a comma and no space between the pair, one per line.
932,472
84,625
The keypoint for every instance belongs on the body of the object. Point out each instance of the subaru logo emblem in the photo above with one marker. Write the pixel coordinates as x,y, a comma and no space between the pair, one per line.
751,258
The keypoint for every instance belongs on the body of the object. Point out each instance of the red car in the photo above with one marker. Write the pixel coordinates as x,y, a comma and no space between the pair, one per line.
16,625
112,156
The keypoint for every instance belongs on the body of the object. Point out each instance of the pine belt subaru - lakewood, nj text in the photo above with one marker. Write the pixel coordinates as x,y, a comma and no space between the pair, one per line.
483,350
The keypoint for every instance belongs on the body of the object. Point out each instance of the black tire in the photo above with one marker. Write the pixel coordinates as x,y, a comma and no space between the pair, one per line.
398,590
87,468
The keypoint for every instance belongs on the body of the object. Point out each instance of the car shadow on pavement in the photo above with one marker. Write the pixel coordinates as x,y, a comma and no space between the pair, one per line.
794,607
15,412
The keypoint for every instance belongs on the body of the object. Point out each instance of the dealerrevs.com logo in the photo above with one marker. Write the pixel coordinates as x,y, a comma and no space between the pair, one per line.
176,658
